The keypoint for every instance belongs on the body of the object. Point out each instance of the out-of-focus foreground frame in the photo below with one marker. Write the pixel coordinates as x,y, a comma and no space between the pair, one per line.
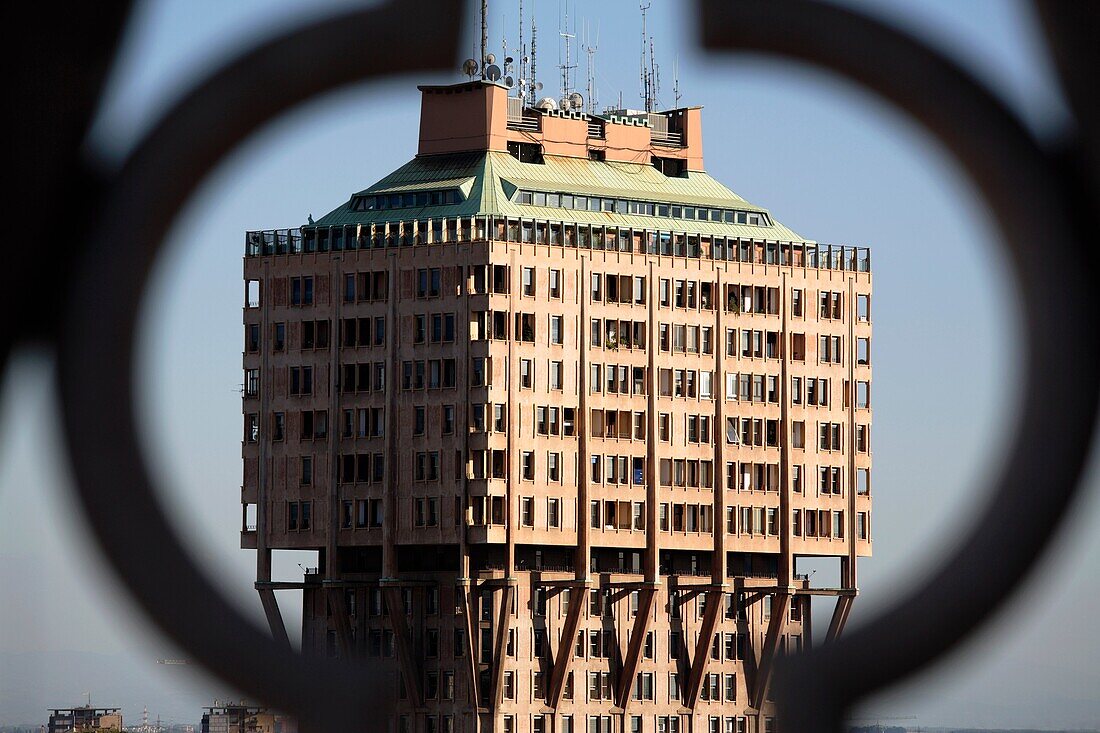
1041,193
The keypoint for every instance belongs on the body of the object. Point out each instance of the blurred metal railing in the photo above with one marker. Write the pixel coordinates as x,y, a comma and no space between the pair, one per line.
95,268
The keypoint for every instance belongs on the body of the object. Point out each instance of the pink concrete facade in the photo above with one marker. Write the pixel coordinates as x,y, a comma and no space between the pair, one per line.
558,489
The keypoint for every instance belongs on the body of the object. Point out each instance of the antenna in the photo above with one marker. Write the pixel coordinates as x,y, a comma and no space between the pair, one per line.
484,30
654,77
590,49
534,42
522,52
676,79
566,80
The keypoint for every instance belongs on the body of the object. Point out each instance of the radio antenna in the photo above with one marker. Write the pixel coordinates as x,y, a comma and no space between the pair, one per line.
534,51
676,79
484,31
568,65
590,49
644,66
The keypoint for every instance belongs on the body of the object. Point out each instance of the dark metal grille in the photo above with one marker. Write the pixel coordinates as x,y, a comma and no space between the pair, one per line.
1040,192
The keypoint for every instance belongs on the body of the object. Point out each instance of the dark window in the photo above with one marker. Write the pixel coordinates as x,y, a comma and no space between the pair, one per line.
525,152
671,167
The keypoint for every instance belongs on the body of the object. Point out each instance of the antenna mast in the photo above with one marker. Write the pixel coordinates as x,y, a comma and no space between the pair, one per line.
534,42
642,61
566,82
676,80
484,33
522,50
590,49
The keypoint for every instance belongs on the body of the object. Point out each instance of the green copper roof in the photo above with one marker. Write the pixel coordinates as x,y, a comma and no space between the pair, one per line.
489,181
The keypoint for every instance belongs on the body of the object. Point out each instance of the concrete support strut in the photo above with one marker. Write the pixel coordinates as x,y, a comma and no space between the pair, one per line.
274,616
702,648
635,644
563,658
500,640
469,614
406,658
335,599
781,608
840,617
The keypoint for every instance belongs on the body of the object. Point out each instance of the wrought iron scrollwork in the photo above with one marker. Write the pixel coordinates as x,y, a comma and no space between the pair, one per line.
1040,194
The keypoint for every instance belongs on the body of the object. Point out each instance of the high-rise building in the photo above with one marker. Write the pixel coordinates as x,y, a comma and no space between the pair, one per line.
558,412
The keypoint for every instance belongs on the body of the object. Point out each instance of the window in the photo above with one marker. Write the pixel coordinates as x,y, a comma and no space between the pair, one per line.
863,395
863,351
863,438
863,481
301,380
301,291
528,275
556,371
553,512
863,308
555,284
478,371
525,152
251,382
526,374
553,467
557,330
527,465
298,516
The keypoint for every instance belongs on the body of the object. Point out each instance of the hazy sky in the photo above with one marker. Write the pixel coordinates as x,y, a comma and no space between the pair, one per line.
828,161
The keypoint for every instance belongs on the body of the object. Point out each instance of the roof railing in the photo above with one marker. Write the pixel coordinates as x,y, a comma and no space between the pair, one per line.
668,139
692,245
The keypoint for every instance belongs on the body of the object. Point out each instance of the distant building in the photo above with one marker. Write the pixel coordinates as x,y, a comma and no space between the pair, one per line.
84,718
242,718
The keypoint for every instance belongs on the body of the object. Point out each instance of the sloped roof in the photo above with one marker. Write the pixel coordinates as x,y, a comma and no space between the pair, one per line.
489,180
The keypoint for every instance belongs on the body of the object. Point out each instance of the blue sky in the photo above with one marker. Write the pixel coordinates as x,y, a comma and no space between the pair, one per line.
826,159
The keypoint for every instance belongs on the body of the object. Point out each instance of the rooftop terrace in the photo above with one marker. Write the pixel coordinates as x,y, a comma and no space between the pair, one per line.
437,232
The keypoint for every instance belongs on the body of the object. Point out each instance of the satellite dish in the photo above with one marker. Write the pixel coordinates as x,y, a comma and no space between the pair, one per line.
490,59
469,67
509,82
508,59
547,103
576,101
538,86
564,103
492,72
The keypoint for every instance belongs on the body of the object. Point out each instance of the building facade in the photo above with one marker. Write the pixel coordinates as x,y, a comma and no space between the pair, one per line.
558,412
85,718
243,718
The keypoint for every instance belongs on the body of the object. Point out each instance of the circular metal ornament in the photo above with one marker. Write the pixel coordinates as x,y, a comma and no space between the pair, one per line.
1053,263
96,353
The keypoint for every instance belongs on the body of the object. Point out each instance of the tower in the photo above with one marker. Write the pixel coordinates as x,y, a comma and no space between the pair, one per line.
558,417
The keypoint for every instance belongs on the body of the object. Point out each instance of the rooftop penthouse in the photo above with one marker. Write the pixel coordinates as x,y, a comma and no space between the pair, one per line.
489,168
